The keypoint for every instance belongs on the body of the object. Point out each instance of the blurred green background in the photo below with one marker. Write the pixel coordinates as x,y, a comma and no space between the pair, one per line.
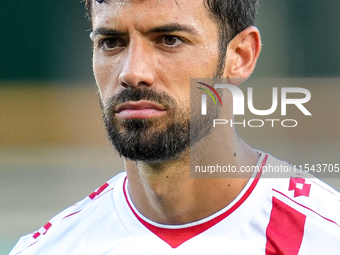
44,40
49,40
53,150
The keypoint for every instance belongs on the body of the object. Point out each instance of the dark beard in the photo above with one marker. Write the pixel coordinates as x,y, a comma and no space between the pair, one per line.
147,139
152,140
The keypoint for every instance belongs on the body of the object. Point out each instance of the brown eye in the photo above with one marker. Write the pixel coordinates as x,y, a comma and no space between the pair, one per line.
170,40
110,43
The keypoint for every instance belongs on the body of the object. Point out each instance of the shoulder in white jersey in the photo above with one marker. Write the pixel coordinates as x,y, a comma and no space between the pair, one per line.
296,215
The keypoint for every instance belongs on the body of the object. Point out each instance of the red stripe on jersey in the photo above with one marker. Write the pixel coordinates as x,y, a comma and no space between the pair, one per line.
100,190
46,227
102,194
285,230
176,237
36,235
26,248
310,180
307,208
71,214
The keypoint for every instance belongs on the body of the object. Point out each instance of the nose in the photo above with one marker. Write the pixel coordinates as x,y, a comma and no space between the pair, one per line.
137,66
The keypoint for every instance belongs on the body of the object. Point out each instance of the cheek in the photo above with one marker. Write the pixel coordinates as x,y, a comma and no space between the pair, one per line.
175,73
106,74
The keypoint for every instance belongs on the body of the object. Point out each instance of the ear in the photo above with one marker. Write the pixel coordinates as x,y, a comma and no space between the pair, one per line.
242,54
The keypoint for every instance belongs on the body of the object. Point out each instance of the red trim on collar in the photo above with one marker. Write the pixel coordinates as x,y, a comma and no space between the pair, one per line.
176,237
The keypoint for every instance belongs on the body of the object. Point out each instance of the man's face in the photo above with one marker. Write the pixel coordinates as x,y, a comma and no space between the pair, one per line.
145,53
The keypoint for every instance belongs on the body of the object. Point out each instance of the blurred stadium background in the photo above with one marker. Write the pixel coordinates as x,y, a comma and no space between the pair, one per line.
53,150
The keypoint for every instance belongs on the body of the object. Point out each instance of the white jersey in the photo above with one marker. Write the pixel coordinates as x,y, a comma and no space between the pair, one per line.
295,215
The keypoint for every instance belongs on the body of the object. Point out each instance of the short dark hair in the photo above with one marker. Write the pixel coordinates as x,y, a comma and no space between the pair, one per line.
232,17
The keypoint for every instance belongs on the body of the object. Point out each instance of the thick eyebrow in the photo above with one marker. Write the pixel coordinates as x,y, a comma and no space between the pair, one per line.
173,27
107,32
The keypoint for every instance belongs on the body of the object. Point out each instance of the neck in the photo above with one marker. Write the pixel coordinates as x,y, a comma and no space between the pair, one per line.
165,193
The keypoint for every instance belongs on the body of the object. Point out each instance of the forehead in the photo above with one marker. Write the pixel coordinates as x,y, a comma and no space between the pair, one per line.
143,13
